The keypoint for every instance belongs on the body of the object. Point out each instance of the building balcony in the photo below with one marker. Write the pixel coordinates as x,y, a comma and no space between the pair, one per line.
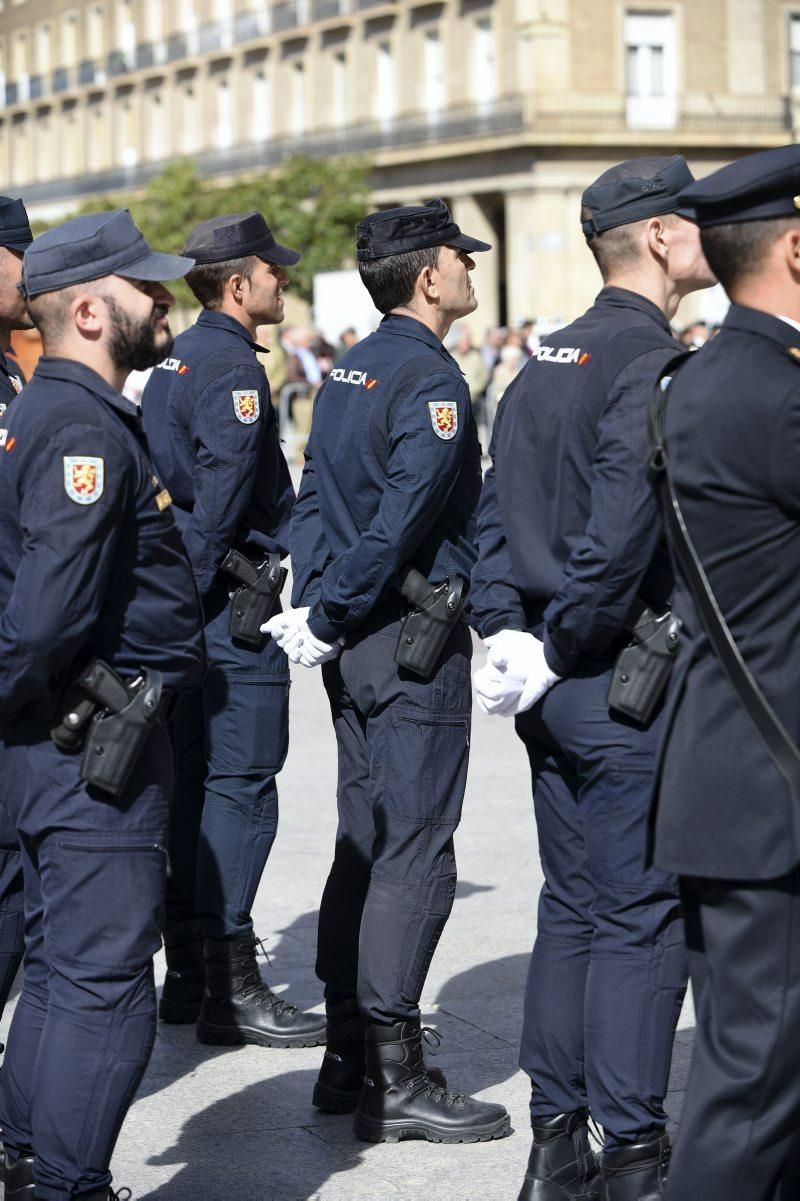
37,87
120,62
63,78
87,72
325,10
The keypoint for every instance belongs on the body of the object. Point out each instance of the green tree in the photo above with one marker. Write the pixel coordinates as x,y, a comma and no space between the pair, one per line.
312,205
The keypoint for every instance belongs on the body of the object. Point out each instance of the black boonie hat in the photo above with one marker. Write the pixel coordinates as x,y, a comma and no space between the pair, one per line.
92,247
15,230
636,189
235,237
412,227
759,186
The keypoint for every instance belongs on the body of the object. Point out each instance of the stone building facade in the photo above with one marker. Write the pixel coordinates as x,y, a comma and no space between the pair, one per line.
507,108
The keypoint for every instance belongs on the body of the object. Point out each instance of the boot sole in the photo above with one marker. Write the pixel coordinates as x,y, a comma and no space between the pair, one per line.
223,1036
373,1131
334,1100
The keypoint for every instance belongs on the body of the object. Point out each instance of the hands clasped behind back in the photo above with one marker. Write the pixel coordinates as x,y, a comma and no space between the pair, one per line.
290,630
515,676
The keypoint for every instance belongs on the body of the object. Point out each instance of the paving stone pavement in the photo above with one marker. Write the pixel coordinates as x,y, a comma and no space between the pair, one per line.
238,1125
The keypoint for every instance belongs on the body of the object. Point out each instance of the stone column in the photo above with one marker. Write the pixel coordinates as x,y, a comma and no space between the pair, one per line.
471,215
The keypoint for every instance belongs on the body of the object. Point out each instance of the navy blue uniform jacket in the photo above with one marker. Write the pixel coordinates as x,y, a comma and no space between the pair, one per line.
213,435
392,476
733,436
90,558
568,528
11,381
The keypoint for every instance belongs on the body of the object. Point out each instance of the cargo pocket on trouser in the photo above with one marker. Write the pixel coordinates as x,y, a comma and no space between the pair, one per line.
422,777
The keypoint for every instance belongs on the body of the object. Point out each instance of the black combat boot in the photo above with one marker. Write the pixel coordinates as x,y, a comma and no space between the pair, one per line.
238,1007
18,1177
105,1194
637,1172
400,1100
341,1077
562,1165
185,980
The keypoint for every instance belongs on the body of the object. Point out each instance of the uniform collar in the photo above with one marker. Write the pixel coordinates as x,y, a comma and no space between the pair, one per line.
69,370
755,321
409,327
210,317
622,298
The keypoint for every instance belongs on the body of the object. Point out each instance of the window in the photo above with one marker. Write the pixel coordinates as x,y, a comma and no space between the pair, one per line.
125,32
94,32
154,23
189,125
484,66
298,100
261,108
650,70
224,131
43,56
340,88
69,40
434,74
794,51
95,139
384,92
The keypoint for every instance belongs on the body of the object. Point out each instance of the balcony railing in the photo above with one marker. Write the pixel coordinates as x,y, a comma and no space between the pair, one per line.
323,10
87,72
120,62
36,87
61,80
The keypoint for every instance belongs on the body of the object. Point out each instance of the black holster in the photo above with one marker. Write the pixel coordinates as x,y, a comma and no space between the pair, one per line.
435,609
111,720
643,668
260,585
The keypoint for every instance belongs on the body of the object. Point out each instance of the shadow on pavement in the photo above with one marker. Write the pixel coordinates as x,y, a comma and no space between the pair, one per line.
229,1149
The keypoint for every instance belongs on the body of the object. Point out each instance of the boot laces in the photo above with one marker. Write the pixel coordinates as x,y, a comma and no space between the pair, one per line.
596,1132
124,1194
262,946
253,987
420,1082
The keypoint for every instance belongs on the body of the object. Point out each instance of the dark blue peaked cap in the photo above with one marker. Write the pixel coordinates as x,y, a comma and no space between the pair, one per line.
91,247
634,190
236,236
411,227
15,230
756,187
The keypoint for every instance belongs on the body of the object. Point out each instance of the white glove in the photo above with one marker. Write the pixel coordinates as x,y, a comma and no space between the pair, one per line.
290,630
516,675
283,627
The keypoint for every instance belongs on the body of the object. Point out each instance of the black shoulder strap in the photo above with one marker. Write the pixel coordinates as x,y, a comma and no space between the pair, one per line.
774,735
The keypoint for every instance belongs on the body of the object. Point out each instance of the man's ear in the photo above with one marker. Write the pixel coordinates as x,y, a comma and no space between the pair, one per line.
89,314
791,250
426,281
658,238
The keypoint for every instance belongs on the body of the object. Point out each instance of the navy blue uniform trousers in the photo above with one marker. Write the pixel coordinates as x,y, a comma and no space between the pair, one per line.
403,746
608,969
95,873
739,1137
231,739
12,922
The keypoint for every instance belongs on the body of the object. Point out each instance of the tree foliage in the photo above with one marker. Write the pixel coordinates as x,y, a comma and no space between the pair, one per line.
312,205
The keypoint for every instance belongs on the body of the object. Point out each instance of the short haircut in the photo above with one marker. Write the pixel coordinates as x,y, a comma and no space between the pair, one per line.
49,311
207,280
617,248
390,281
739,249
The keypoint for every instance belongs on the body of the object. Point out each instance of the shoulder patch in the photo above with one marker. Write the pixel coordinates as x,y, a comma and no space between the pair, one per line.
84,479
444,418
246,406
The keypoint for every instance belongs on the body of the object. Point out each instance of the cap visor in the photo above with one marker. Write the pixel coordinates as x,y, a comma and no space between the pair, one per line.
465,243
156,266
281,255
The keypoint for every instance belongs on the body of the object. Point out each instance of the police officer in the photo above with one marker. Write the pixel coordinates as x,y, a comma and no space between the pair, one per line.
568,539
213,435
15,235
391,479
727,818
95,593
